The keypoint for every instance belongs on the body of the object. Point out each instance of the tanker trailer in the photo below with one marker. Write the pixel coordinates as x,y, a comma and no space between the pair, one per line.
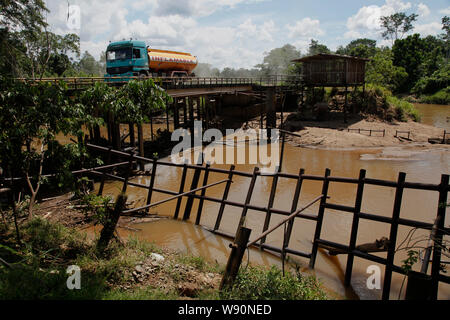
134,59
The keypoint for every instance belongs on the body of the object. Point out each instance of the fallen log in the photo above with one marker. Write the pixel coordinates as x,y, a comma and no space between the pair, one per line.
380,245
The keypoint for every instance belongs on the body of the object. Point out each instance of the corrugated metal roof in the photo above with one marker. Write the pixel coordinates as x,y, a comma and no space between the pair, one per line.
328,56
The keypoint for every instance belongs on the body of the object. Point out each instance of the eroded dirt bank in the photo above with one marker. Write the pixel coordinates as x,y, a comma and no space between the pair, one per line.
335,134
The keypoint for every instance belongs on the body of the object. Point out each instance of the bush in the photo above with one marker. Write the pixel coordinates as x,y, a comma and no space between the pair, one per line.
404,110
439,80
260,283
440,97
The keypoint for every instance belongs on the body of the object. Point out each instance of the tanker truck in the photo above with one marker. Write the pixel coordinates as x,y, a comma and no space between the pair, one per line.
134,59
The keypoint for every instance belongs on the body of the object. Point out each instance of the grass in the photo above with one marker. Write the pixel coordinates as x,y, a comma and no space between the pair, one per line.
261,283
39,270
440,97
404,110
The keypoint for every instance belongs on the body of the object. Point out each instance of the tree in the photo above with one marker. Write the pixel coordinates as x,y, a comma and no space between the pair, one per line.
446,35
396,25
88,66
47,54
27,48
420,57
25,15
278,61
32,116
363,48
382,71
315,48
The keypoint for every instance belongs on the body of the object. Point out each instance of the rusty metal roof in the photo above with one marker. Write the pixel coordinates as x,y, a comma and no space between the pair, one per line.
328,56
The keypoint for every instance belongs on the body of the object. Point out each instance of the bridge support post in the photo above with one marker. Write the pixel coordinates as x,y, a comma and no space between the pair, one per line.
271,118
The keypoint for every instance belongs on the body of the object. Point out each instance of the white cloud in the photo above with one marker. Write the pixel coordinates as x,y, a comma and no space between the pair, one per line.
445,11
423,10
249,30
367,19
195,8
306,27
433,28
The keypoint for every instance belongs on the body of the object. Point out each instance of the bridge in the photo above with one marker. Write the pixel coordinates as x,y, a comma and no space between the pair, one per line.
210,100
205,99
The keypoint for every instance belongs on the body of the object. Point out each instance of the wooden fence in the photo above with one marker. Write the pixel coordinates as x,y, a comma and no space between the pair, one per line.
351,249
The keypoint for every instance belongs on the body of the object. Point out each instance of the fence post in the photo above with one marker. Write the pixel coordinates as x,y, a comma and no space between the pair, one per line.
249,197
270,205
297,192
152,183
437,249
190,201
110,226
182,182
320,214
224,198
200,205
127,177
355,223
235,258
102,183
393,235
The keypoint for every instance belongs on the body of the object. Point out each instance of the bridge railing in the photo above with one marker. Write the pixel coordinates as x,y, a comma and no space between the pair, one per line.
174,82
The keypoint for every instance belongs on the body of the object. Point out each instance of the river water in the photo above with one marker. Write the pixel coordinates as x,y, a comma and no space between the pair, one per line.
419,165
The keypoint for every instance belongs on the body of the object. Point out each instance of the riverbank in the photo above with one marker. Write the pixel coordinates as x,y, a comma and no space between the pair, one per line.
128,269
335,134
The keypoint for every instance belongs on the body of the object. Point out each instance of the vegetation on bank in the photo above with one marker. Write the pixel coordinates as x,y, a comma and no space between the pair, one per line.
440,97
38,271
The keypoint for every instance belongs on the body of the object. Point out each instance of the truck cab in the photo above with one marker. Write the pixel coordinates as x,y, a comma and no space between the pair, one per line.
126,59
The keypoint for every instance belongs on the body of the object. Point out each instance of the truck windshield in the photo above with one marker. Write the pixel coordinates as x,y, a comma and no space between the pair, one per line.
118,54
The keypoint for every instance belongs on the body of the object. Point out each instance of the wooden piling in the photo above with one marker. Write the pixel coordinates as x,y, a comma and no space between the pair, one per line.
224,197
393,235
181,189
248,198
109,227
141,146
200,204
437,249
103,179
152,183
320,215
132,135
273,191
355,224
128,174
190,200
235,258
294,205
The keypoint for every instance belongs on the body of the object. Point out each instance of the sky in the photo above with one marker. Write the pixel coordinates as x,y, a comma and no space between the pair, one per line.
234,33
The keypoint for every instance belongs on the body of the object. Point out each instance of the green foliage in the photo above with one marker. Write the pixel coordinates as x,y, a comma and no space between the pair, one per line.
259,283
98,206
440,97
408,263
137,100
382,71
404,110
437,81
363,48
420,57
315,48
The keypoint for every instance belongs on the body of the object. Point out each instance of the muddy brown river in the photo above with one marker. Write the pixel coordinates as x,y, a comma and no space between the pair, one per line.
421,165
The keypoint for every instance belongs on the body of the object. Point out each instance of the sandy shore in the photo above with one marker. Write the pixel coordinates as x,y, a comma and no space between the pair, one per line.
334,134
